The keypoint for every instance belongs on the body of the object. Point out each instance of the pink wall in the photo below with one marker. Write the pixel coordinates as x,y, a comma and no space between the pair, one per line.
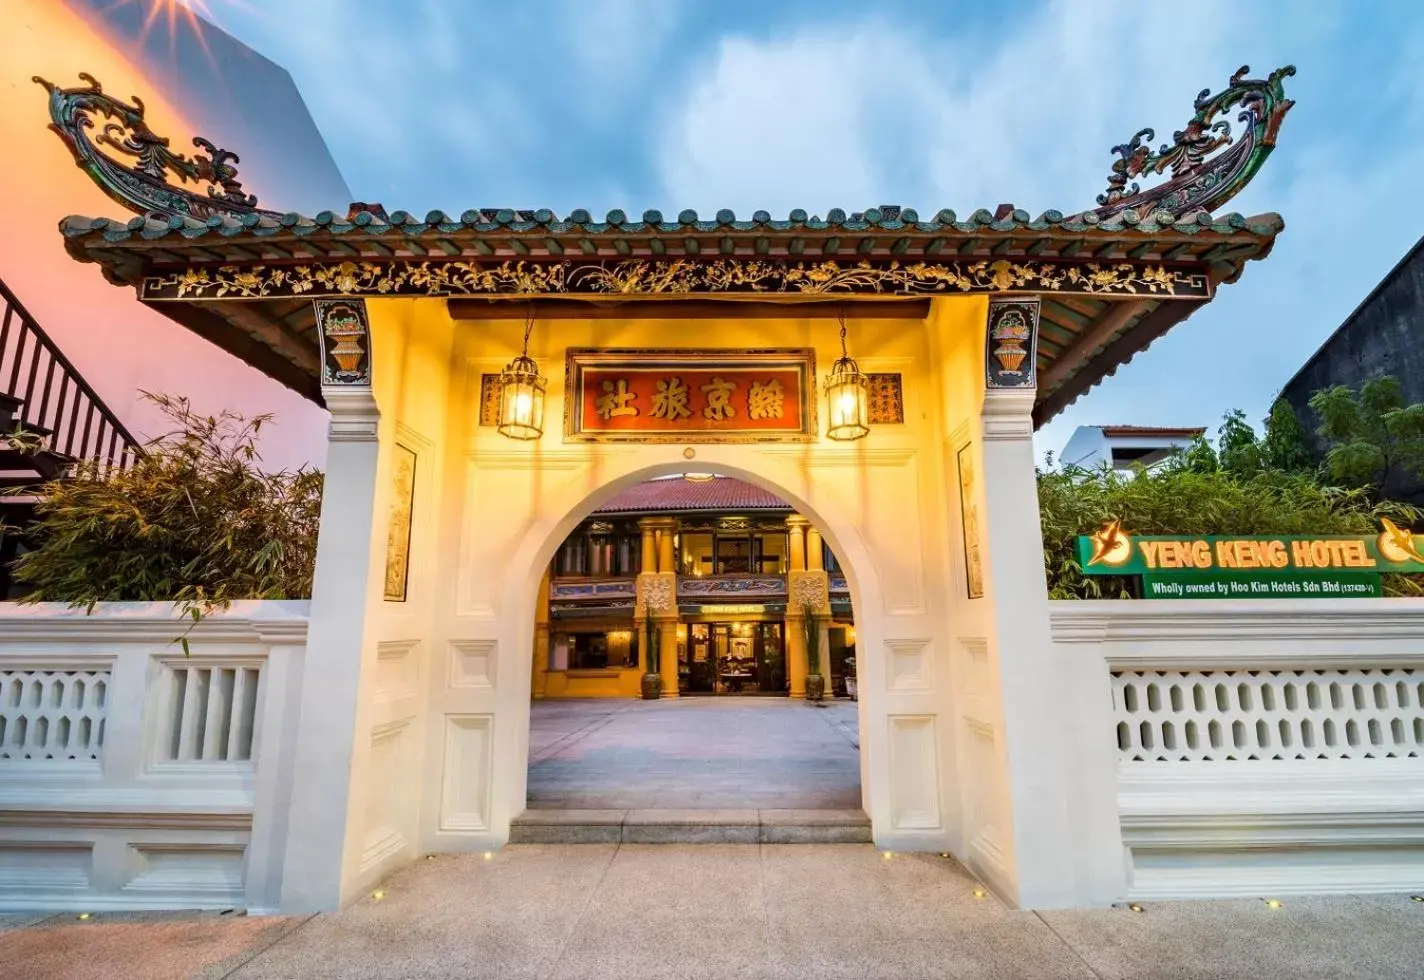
119,345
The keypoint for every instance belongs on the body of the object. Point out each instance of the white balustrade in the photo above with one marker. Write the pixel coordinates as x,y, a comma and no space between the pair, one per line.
1268,747
1233,715
52,715
135,776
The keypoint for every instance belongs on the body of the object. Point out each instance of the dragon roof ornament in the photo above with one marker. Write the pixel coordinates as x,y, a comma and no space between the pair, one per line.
1200,182
141,184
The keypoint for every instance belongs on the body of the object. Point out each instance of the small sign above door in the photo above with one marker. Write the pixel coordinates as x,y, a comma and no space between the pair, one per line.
690,396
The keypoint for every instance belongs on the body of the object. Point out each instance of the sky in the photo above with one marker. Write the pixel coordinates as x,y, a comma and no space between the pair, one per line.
780,104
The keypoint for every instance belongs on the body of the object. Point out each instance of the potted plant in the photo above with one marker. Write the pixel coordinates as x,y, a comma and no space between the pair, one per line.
815,682
850,678
652,680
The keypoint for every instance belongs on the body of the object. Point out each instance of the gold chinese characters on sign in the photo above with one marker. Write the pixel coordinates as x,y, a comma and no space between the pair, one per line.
398,532
689,396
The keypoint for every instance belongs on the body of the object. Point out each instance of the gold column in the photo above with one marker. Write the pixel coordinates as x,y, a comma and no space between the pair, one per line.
650,553
796,525
813,550
795,653
539,683
667,654
665,542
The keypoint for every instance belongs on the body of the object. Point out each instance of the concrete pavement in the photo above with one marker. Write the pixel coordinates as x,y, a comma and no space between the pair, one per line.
694,753
713,911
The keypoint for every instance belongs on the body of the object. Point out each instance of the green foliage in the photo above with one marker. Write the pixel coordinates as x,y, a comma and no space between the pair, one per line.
1373,434
196,521
1237,449
811,624
1283,447
1178,498
650,657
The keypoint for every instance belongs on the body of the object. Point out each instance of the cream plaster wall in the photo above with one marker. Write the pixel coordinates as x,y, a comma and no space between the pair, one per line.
966,744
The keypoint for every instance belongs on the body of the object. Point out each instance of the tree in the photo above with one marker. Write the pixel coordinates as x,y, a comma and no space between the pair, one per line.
1373,436
1237,447
1283,447
195,520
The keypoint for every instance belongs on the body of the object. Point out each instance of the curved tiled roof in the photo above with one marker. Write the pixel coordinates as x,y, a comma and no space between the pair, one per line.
1006,219
679,495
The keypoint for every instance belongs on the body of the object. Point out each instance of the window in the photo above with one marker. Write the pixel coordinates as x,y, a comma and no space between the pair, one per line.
595,649
600,550
771,554
697,554
734,554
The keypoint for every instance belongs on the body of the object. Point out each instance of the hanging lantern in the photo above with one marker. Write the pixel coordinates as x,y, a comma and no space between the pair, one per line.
847,397
521,394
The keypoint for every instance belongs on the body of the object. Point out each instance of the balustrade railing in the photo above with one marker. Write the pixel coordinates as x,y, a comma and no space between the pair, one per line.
54,400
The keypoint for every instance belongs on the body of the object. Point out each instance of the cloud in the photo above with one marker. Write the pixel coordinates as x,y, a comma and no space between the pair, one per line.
866,111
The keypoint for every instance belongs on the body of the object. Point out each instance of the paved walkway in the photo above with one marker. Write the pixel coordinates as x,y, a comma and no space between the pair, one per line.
694,753
725,911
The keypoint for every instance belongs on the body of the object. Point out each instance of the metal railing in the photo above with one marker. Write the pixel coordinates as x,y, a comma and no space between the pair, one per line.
55,400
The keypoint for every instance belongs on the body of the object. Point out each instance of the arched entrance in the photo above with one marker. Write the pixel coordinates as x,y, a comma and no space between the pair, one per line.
737,696
841,536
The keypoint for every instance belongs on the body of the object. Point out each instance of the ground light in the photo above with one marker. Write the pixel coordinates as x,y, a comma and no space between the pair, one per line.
83,916
980,893
1134,907
378,894
1416,898
1273,903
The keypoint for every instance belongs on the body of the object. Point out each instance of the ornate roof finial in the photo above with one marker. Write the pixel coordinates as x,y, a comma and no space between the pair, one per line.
1198,183
142,184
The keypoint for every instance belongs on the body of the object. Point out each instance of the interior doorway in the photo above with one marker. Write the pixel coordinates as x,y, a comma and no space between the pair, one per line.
733,658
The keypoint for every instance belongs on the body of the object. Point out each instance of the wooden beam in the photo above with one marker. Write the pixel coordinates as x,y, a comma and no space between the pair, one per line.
645,308
214,322
969,245
1096,335
1116,353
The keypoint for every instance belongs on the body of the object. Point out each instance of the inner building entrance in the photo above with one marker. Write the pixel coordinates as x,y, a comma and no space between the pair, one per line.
749,598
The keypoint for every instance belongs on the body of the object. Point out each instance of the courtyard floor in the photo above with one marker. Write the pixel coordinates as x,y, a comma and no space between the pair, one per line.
694,753
714,911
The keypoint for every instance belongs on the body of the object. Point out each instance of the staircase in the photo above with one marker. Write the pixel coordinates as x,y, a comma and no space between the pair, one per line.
556,826
50,418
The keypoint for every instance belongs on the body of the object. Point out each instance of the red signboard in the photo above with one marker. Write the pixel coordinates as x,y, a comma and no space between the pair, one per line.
690,396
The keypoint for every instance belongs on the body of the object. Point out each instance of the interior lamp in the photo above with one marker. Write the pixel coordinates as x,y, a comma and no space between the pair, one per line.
521,394
847,396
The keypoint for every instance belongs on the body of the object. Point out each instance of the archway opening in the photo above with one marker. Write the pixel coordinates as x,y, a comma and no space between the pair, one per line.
694,653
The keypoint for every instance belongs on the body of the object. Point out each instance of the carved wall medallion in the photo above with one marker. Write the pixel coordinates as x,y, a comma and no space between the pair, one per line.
1012,348
687,277
887,404
808,588
399,531
656,593
345,337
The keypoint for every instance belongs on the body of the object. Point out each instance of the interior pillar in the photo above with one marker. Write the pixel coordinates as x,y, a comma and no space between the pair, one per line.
667,655
796,528
814,553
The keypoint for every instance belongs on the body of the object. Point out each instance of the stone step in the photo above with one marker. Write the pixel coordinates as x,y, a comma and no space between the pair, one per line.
549,826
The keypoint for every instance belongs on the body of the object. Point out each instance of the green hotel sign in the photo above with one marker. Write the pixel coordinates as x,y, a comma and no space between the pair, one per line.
1260,567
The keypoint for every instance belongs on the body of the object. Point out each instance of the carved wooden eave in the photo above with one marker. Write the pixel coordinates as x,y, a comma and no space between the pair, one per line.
1112,279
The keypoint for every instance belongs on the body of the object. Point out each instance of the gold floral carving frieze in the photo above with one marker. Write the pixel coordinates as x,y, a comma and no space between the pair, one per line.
674,277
